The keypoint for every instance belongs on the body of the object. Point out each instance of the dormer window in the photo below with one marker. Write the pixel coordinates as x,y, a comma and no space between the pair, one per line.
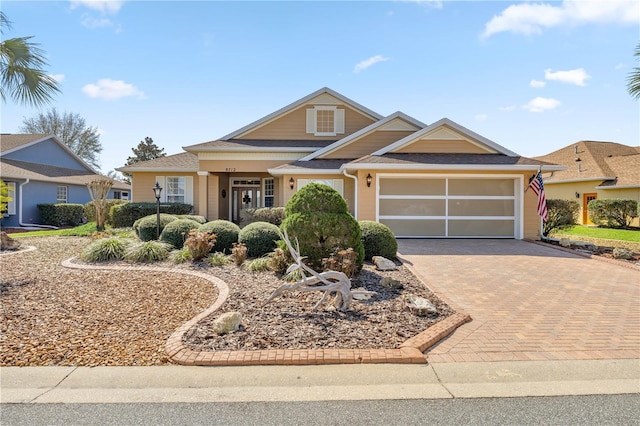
325,121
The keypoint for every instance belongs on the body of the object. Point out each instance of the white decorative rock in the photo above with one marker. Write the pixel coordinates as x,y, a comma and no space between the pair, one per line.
419,305
565,242
383,264
227,322
391,283
361,293
622,253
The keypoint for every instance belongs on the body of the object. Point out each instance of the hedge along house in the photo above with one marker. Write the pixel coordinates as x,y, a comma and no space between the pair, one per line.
439,180
41,169
594,170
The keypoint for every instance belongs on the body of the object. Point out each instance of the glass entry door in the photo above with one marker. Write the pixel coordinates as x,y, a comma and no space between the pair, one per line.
244,198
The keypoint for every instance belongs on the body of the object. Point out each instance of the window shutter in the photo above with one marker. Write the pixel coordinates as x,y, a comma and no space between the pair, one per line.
188,190
339,120
162,183
311,121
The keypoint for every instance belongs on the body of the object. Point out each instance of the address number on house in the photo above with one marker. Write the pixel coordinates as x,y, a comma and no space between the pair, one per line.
230,169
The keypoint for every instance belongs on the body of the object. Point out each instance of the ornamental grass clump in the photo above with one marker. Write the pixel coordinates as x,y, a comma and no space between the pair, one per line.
147,252
218,259
199,244
260,264
180,256
105,250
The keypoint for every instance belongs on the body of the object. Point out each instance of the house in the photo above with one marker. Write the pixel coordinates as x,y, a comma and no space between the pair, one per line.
422,180
593,170
41,169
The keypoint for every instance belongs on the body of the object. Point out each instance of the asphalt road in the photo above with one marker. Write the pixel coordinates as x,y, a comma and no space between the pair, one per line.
565,410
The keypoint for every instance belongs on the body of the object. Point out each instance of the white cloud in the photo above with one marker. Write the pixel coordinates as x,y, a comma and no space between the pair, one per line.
57,77
481,117
112,89
91,22
104,6
538,84
541,104
434,4
369,62
577,76
528,18
508,108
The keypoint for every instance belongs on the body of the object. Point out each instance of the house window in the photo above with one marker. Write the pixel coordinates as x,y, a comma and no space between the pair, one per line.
11,204
120,195
268,192
176,189
61,195
325,121
337,184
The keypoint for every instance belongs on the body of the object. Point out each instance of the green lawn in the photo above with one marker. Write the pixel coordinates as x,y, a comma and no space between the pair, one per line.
79,231
605,233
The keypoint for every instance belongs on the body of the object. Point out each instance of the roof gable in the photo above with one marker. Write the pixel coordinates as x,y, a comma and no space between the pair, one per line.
324,96
42,149
396,122
445,137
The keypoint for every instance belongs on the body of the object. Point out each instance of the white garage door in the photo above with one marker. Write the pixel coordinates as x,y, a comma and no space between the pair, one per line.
420,206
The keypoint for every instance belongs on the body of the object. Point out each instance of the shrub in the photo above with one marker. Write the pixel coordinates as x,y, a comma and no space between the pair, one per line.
280,259
226,234
239,253
260,264
344,261
105,249
124,215
562,214
273,215
613,213
61,214
317,216
176,232
218,259
147,252
260,238
378,240
147,226
199,244
90,209
197,218
180,256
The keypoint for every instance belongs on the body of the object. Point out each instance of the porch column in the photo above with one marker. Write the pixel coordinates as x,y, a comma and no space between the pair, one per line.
203,193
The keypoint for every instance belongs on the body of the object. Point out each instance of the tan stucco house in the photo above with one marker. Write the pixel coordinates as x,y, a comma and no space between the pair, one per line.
593,170
436,180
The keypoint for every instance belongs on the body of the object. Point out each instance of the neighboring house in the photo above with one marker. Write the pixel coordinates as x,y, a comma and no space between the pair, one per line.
594,170
41,169
438,180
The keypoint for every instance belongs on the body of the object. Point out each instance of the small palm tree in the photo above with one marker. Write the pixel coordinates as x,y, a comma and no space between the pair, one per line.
22,77
633,80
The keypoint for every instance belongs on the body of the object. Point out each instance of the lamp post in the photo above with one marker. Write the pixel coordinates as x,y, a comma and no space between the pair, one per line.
156,191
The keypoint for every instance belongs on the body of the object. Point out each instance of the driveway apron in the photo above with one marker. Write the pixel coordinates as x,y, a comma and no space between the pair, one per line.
529,301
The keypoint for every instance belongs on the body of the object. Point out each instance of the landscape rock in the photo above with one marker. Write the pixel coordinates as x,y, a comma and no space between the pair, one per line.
361,293
565,242
8,243
384,264
622,253
391,283
419,305
227,323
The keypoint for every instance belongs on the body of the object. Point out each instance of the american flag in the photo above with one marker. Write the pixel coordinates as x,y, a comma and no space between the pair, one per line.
538,187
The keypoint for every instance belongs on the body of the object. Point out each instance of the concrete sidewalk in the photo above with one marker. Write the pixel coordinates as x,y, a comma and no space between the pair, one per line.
317,383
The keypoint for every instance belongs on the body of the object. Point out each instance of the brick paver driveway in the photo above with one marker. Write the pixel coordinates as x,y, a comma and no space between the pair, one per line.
529,302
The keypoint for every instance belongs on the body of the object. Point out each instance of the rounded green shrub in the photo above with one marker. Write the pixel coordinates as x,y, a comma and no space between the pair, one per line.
176,232
378,240
146,227
226,234
200,219
317,216
260,238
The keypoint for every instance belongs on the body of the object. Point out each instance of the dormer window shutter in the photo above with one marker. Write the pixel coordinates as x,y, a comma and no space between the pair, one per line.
311,121
339,121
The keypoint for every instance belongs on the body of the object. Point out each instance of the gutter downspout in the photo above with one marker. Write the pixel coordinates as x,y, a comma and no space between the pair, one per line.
355,193
20,210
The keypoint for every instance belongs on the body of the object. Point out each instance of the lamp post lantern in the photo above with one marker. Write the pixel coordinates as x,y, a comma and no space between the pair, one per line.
157,190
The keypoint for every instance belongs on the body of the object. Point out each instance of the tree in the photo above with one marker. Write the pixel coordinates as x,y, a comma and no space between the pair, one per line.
146,150
22,77
5,198
99,191
633,80
113,174
71,129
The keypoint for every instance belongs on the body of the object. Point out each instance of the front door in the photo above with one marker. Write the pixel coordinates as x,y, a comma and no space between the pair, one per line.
585,201
243,198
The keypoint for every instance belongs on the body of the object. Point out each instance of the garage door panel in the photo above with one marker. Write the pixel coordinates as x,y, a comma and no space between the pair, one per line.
481,187
481,208
481,228
412,186
411,207
416,227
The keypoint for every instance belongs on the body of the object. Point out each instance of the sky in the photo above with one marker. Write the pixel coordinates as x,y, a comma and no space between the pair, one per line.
531,76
